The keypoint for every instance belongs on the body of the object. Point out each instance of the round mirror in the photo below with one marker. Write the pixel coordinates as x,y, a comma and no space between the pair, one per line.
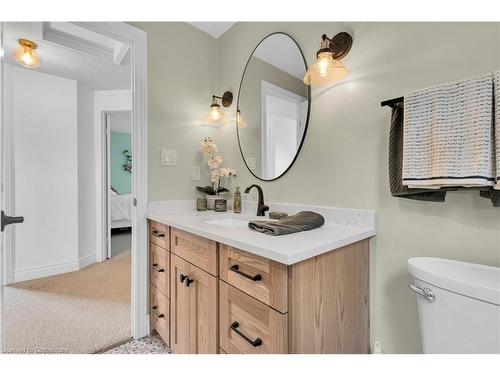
273,107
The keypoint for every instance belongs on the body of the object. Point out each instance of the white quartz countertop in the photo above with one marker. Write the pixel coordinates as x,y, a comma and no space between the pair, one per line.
342,227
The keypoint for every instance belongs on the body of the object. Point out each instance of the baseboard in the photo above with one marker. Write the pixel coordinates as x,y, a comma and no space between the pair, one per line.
86,261
53,269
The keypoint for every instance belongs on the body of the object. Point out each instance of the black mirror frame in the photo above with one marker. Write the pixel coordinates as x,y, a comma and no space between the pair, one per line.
308,108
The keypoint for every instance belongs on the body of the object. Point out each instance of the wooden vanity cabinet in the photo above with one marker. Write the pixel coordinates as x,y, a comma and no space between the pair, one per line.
193,309
319,305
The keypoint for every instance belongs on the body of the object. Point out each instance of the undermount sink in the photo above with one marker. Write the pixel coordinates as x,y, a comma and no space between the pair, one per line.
229,222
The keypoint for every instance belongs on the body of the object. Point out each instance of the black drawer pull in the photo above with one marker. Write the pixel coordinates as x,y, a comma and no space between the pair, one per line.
188,281
158,234
154,308
158,269
254,343
236,268
183,277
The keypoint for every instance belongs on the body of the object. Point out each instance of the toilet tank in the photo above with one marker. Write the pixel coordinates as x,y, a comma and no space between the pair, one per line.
458,305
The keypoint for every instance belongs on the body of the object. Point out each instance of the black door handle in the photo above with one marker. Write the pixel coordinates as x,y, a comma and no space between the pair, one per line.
188,281
254,343
236,268
183,277
8,220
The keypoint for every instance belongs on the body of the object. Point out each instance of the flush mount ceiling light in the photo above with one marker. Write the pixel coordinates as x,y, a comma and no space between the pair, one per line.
215,116
26,55
329,68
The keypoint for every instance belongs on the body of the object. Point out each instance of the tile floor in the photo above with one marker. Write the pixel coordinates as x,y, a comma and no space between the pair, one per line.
152,344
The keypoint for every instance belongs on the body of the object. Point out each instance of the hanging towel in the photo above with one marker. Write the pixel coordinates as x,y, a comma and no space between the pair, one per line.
396,163
304,220
496,125
448,135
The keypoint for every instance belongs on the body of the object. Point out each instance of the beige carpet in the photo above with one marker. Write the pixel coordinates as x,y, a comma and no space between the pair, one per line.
77,312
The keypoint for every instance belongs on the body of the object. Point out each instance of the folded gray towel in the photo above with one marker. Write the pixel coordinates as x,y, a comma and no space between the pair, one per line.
304,220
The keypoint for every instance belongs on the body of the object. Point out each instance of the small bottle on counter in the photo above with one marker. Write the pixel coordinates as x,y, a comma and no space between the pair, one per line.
237,201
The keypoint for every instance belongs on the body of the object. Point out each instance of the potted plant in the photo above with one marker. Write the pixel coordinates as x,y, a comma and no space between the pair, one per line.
217,173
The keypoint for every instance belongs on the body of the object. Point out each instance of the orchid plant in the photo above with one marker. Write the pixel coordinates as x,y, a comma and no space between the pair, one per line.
217,173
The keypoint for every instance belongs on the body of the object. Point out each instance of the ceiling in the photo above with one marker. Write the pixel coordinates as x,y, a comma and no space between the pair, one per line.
282,52
215,29
95,65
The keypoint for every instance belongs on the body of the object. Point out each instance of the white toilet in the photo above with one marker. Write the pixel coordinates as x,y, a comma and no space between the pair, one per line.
458,305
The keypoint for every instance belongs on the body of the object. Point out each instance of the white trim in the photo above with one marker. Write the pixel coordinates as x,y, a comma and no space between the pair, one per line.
86,261
137,39
53,269
107,187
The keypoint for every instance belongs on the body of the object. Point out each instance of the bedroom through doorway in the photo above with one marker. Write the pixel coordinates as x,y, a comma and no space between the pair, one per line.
119,181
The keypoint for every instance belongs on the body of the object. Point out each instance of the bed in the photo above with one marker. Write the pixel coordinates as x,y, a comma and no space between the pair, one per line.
121,210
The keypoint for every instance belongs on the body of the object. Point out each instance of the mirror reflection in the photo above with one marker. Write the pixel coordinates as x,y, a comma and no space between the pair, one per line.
273,107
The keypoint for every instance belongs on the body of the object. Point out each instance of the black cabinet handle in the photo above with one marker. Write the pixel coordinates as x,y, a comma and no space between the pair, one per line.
154,308
8,220
183,277
254,343
158,234
236,268
158,269
188,281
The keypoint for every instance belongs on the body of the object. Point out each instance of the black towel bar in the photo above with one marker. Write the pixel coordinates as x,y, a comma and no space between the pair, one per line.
392,101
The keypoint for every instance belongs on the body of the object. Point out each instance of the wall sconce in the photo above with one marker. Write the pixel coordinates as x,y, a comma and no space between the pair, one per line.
215,116
329,68
26,55
240,120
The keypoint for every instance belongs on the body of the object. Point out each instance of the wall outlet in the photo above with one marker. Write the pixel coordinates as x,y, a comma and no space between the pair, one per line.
377,348
168,157
195,173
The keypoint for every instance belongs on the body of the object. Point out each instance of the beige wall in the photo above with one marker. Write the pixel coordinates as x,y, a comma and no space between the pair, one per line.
250,103
182,75
343,161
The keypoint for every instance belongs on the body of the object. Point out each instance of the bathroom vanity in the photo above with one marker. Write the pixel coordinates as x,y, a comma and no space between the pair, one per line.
218,287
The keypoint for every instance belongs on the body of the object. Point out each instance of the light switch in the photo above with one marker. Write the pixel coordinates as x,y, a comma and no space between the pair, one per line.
251,163
195,173
168,157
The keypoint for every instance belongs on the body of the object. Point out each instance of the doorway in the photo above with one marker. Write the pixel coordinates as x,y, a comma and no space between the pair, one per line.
119,166
36,177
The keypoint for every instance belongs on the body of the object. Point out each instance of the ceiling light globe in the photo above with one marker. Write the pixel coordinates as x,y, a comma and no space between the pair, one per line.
26,55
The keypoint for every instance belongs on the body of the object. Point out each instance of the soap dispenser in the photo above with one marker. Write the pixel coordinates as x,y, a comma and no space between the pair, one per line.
237,201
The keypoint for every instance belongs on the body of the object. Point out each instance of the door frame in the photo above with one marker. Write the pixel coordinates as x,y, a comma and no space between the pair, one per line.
137,40
267,88
105,129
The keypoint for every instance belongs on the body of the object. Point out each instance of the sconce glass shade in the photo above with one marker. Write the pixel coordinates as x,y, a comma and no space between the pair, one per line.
215,116
240,120
26,55
326,71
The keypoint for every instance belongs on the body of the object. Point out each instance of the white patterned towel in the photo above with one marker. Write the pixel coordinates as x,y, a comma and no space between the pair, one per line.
496,98
448,135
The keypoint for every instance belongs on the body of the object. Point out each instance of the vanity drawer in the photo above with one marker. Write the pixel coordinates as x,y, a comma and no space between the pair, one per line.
259,277
160,314
248,326
197,250
159,234
160,267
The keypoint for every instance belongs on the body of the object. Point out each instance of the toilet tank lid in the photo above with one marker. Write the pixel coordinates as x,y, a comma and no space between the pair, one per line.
469,279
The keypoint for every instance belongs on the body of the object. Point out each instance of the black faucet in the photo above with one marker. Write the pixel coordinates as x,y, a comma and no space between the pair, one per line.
261,207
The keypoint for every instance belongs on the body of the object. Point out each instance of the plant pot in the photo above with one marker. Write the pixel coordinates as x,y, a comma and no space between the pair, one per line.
211,201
